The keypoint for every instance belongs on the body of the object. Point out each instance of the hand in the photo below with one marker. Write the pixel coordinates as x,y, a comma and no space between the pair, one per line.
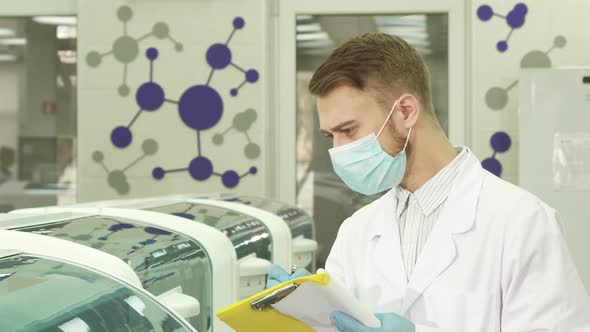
390,322
276,275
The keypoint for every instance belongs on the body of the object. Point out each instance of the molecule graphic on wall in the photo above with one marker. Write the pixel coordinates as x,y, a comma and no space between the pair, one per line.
149,97
200,108
117,179
242,123
497,97
515,19
126,48
500,143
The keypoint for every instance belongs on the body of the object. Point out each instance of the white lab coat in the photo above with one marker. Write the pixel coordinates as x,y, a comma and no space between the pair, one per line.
495,261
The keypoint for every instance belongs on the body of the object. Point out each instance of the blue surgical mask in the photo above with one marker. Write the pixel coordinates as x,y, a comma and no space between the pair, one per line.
365,167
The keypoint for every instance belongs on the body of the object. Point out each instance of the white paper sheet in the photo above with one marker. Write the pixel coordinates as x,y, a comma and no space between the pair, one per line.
571,161
314,304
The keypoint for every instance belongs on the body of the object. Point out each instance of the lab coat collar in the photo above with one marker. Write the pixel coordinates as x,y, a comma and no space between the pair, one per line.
457,216
388,202
379,225
385,240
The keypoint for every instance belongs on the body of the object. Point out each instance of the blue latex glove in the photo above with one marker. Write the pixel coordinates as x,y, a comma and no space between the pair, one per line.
276,275
390,322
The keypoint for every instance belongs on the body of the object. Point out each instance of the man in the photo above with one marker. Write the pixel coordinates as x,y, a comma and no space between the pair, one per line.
450,247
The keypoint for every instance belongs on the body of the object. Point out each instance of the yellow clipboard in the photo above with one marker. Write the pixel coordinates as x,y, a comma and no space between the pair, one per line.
256,314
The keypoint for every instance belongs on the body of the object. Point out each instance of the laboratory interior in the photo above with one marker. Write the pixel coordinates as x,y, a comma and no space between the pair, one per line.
165,165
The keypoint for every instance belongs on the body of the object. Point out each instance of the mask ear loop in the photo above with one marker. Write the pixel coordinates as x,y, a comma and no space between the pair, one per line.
385,123
407,139
388,116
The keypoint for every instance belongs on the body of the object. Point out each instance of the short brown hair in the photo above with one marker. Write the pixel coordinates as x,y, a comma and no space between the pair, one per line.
375,61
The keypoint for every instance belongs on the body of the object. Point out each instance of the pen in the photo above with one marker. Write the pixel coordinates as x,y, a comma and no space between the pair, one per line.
293,268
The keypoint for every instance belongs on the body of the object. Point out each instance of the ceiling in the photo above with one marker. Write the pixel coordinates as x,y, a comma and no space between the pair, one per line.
16,32
319,35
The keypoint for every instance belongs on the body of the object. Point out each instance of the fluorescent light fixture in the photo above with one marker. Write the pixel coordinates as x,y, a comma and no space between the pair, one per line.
423,50
421,28
315,43
410,35
417,42
5,32
304,17
13,41
404,33
314,52
8,57
401,21
56,20
415,17
66,32
312,36
311,27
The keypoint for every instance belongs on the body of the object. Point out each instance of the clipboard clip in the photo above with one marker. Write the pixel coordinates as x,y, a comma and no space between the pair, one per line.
266,301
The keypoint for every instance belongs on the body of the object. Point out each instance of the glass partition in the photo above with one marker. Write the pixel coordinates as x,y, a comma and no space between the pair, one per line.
319,190
38,79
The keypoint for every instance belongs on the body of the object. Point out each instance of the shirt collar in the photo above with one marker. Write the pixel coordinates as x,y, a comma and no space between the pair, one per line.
435,191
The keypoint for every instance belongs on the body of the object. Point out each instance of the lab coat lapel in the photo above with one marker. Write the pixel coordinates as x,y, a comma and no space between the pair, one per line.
387,256
457,216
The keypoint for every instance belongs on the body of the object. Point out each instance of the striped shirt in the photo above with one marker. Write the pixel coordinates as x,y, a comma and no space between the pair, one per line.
417,212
